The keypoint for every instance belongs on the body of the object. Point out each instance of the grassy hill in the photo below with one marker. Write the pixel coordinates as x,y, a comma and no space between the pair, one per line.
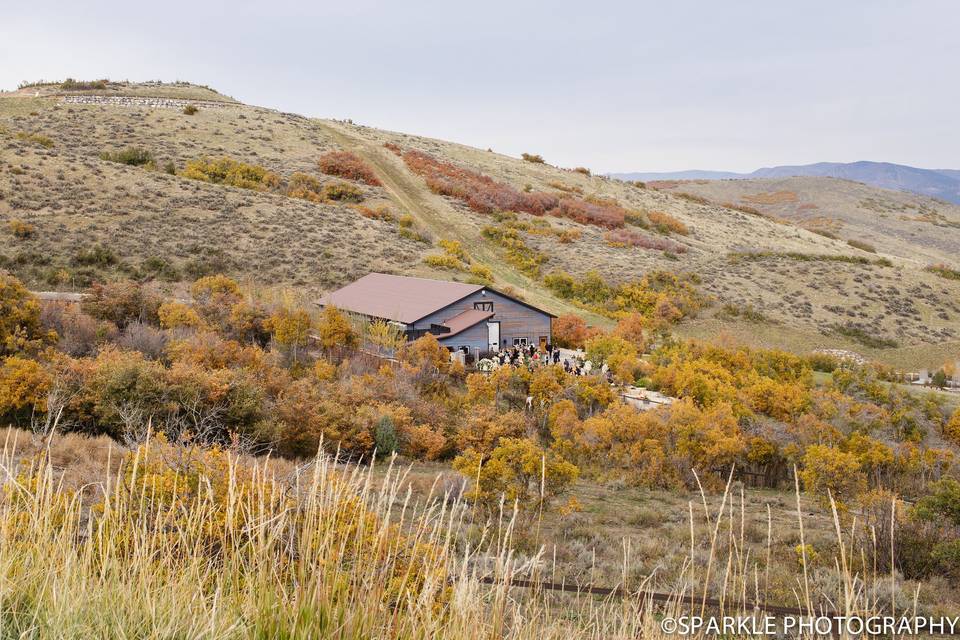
773,279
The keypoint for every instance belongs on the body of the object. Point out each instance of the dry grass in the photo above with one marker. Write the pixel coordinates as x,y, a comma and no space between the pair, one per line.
172,541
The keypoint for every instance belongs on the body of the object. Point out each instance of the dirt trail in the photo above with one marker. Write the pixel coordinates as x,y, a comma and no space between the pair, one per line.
437,216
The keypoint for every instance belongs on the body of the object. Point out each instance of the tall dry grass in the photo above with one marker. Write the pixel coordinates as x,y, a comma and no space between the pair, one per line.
182,542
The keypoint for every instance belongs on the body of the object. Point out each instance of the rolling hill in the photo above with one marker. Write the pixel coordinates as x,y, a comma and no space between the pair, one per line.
943,184
770,278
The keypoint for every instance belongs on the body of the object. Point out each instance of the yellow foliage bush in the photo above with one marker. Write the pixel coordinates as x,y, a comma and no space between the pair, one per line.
234,173
516,470
176,314
23,385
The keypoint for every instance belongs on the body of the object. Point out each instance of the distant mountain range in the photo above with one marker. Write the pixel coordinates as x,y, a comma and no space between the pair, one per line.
935,183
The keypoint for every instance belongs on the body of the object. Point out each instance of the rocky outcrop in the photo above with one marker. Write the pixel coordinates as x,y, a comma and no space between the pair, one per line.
143,101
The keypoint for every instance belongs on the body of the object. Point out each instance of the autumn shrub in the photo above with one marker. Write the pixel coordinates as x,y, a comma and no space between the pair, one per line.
395,148
582,170
121,302
342,192
21,328
348,165
230,172
174,315
23,388
485,195
660,295
190,110
571,331
21,230
518,252
517,471
630,238
84,85
863,246
530,157
944,271
443,261
305,187
380,212
335,331
665,223
132,156
36,138
481,273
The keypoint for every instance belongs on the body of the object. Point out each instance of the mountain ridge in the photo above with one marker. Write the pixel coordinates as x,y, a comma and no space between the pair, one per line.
943,184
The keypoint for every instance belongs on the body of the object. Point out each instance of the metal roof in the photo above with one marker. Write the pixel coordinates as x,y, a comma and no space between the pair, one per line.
463,321
401,298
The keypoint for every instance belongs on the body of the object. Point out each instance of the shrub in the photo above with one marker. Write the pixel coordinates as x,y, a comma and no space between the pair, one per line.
84,85
342,192
482,273
951,430
827,470
190,110
665,223
944,271
36,138
530,157
23,386
20,229
98,256
395,148
483,194
443,261
226,171
173,315
385,437
121,302
335,331
380,212
571,331
866,337
516,470
132,156
630,238
305,187
582,170
691,197
863,246
348,165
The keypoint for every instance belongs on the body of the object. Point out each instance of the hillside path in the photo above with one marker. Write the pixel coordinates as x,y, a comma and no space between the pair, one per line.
443,221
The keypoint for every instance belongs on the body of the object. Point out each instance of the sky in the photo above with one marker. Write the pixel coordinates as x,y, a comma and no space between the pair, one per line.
614,86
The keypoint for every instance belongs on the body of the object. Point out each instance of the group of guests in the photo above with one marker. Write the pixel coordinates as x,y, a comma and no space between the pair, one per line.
531,356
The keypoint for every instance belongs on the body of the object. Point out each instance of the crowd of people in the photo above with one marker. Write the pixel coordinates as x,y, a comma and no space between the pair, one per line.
532,356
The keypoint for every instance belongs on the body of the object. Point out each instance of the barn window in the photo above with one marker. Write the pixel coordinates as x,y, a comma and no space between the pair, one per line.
483,306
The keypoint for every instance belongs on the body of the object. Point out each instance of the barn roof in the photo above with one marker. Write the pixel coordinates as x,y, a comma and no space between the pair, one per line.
399,298
463,321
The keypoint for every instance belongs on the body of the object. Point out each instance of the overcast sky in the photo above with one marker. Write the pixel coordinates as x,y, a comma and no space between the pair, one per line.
615,86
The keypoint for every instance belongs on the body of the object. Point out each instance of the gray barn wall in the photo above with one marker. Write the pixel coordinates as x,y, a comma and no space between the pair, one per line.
474,338
516,320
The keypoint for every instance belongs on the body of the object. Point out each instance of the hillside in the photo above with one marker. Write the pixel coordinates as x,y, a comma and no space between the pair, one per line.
942,184
766,282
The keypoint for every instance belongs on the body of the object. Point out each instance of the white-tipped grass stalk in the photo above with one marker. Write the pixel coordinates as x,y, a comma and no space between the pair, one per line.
807,604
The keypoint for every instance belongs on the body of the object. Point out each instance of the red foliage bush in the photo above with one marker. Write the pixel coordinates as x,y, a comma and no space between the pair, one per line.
629,238
347,165
486,195
606,215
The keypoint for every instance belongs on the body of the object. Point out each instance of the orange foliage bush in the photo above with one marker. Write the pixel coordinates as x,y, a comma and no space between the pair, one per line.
348,165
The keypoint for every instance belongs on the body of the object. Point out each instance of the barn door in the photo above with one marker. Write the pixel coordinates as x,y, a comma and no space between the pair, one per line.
493,336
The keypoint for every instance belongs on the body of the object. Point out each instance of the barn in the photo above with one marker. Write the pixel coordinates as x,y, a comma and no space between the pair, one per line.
470,317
